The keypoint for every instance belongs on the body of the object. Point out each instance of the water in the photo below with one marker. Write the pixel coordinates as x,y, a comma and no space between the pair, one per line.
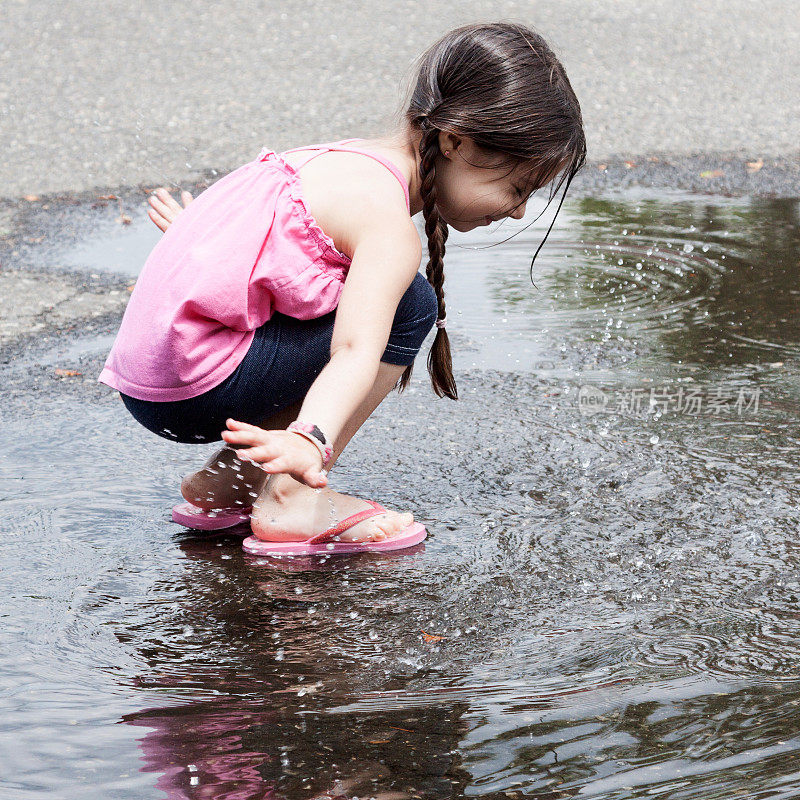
116,248
607,605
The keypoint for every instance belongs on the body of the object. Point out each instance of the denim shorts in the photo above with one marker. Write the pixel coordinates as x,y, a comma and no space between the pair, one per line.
284,359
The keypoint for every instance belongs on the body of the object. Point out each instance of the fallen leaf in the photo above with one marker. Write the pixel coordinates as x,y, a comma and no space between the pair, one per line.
629,165
429,637
131,287
712,173
31,198
106,197
602,167
379,741
654,159
755,166
305,688
68,373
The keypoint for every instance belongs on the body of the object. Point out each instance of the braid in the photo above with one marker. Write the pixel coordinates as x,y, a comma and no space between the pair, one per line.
440,362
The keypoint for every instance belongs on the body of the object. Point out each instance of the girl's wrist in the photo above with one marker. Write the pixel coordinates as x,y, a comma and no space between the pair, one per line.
314,435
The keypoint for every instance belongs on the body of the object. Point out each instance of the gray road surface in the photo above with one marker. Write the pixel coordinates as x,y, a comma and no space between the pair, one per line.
112,93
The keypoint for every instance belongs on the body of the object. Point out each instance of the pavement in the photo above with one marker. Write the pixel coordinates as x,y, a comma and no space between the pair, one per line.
102,101
105,93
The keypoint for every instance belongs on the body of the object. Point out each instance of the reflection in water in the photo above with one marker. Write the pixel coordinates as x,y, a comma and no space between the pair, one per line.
236,749
266,731
607,604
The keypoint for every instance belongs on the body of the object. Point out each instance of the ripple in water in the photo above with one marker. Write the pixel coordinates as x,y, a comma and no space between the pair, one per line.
607,604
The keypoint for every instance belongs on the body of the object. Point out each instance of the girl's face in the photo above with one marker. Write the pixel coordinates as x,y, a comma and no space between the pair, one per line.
474,188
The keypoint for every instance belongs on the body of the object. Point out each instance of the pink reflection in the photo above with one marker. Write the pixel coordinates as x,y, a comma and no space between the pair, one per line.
200,755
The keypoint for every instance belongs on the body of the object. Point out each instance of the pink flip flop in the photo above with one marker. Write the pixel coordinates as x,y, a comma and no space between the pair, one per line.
194,517
328,543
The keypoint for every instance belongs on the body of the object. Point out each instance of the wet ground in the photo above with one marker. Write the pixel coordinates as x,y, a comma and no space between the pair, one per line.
607,604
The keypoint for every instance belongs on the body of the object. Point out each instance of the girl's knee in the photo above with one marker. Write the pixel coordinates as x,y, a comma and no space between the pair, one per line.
416,314
423,305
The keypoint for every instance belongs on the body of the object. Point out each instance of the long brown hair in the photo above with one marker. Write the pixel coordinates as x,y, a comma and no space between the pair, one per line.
500,85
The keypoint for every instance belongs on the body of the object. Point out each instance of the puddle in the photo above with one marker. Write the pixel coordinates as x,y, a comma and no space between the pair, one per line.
114,248
607,605
78,351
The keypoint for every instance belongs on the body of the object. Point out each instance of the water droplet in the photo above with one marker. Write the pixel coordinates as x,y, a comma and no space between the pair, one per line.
654,439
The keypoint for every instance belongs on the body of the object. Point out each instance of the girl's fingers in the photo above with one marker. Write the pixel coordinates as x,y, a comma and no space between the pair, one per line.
259,454
158,219
314,479
238,429
158,200
277,464
235,425
162,216
166,197
166,205
243,438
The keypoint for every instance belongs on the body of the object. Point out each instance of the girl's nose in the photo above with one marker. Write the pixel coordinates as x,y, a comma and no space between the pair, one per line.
519,212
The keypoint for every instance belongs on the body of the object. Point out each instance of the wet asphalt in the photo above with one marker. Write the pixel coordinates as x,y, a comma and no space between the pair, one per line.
101,102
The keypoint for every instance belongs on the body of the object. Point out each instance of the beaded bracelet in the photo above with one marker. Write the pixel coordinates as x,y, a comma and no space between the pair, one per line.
315,436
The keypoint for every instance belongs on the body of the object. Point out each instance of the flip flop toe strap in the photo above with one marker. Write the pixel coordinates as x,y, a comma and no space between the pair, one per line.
346,524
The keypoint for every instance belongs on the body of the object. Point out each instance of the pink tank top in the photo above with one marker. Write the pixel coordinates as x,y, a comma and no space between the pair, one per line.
243,249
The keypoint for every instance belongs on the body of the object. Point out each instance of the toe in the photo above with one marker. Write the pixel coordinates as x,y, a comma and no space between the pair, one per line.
392,524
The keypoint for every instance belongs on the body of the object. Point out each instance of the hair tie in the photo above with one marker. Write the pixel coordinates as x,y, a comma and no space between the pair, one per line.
440,323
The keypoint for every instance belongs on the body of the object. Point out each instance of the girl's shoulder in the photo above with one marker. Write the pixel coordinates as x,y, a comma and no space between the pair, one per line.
334,182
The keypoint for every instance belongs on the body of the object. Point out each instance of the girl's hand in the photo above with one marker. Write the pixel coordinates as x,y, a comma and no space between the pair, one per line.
278,451
164,208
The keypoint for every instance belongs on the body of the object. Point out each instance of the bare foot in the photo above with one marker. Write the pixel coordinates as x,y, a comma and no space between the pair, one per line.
289,511
224,482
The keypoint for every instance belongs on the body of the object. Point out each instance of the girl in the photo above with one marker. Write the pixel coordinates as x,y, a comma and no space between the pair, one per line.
285,302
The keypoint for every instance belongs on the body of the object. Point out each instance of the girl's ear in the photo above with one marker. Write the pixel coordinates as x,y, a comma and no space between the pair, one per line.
449,142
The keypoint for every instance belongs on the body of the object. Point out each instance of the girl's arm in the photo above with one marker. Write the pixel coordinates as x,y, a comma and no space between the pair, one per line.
386,252
385,260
